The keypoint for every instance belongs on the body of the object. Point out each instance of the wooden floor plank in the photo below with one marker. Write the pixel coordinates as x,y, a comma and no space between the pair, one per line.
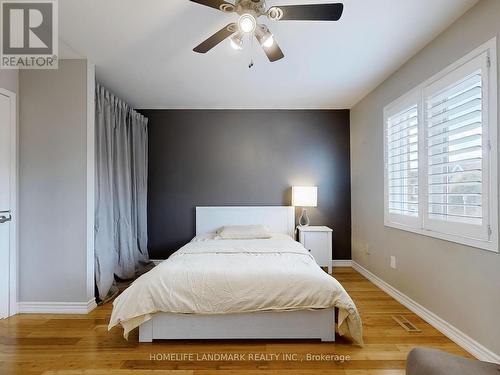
81,344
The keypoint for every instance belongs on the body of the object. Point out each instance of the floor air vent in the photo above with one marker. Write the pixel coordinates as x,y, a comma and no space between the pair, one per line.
405,323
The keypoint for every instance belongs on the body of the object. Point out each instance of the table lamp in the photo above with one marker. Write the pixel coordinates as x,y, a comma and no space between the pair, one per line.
304,196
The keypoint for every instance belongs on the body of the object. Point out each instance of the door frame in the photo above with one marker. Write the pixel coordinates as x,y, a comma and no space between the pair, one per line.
14,174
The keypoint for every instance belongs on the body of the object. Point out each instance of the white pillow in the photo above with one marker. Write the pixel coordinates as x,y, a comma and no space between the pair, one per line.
244,232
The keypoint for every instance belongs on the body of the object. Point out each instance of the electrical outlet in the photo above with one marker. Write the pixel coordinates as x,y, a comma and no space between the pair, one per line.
393,262
367,248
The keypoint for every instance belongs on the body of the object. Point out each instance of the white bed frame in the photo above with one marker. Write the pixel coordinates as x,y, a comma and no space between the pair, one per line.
304,324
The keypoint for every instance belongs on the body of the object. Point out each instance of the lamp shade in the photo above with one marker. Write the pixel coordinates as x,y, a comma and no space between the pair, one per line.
305,196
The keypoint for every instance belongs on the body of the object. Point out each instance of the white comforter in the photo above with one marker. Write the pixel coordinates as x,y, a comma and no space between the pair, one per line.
236,276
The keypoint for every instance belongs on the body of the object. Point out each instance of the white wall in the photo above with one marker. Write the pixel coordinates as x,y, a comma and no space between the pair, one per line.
54,261
458,283
9,80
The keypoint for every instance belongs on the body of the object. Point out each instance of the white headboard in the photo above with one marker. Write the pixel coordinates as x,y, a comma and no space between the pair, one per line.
277,219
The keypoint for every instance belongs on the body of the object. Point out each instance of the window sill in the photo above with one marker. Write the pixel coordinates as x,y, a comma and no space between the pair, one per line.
491,246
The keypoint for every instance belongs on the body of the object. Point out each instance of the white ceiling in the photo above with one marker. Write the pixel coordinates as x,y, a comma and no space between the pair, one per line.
143,51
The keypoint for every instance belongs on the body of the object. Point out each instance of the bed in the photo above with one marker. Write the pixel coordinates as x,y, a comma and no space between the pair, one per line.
238,289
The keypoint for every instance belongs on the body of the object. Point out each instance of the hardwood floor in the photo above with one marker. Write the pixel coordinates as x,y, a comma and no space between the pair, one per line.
81,344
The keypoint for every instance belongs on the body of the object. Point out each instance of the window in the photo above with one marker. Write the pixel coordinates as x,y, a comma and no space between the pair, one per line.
402,123
440,154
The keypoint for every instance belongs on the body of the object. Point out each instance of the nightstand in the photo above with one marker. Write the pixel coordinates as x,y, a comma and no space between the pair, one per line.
318,240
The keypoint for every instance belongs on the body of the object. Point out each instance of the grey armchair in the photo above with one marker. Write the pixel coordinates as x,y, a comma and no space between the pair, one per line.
423,361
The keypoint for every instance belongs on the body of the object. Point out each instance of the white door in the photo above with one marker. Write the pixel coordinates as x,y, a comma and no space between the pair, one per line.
7,202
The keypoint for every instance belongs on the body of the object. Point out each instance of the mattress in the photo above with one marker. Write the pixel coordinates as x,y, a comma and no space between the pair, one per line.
214,276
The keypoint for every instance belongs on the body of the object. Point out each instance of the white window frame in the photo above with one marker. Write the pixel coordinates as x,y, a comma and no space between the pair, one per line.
423,225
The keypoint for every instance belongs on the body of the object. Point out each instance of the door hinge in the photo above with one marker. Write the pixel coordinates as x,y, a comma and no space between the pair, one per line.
488,62
490,232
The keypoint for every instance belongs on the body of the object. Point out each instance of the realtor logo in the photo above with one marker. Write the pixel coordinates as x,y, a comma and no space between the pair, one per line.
29,34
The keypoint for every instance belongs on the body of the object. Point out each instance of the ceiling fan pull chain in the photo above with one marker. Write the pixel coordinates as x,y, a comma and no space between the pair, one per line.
250,66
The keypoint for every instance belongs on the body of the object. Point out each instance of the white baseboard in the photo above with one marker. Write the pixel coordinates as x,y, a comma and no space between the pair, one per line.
473,347
91,305
56,307
342,263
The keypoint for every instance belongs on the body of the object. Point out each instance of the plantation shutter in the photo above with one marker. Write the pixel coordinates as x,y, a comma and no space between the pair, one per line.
402,178
457,151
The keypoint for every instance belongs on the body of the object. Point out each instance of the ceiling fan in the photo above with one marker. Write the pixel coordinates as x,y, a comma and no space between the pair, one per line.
249,12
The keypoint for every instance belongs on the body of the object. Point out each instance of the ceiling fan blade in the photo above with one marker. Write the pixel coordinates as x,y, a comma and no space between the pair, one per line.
308,12
274,53
215,39
216,4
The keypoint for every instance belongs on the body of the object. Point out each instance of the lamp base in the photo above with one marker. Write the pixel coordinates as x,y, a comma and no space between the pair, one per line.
304,219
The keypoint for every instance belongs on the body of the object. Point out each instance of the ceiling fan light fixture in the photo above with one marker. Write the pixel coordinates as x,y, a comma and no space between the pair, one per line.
265,37
247,23
237,41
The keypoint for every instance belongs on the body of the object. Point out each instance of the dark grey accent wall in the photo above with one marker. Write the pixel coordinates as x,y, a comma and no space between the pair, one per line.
245,157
